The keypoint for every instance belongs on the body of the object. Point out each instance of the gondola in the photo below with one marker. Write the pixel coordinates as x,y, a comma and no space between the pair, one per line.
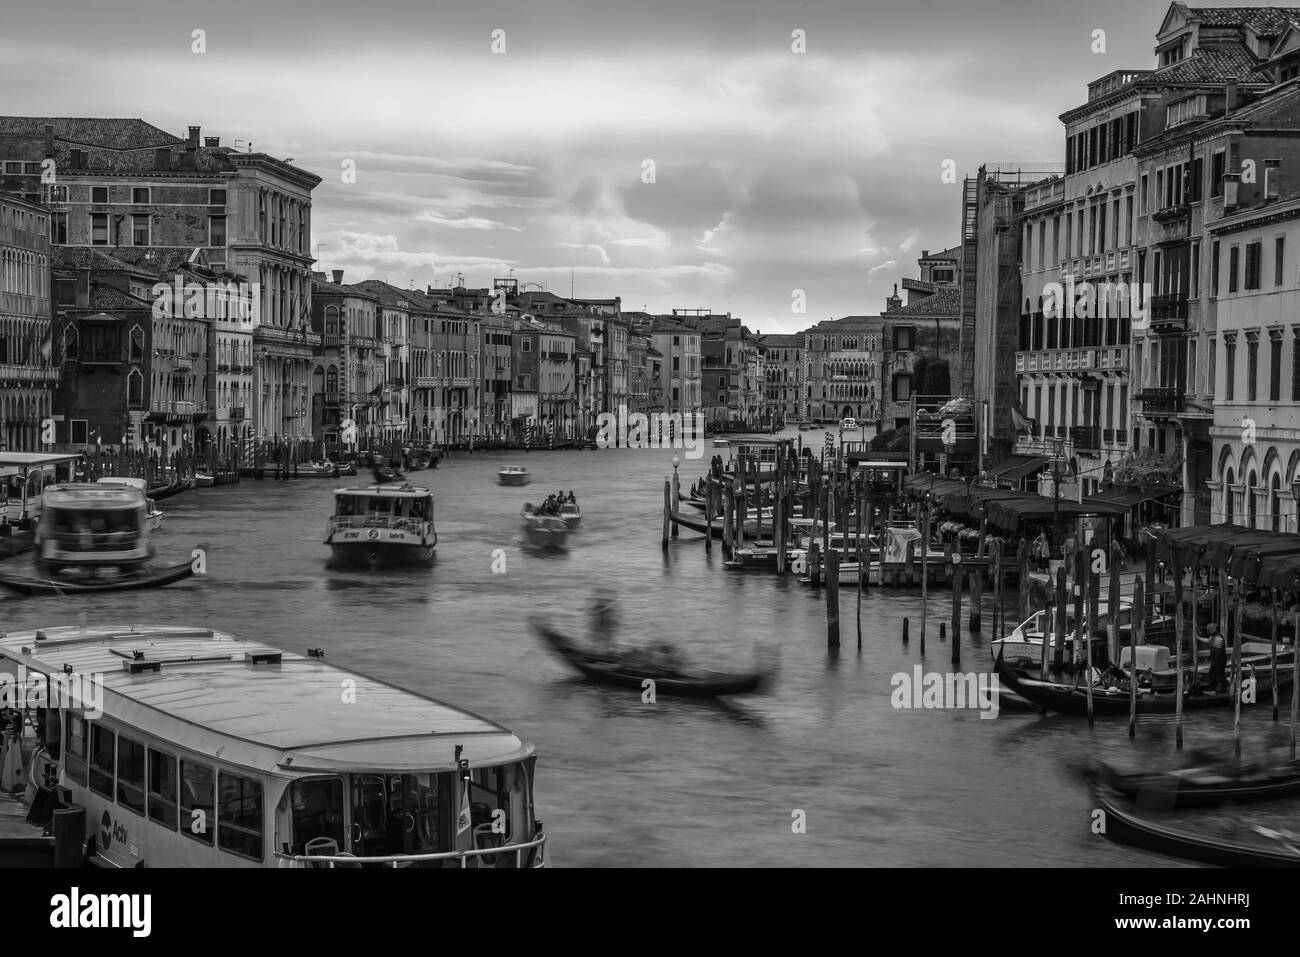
1208,785
1073,698
143,578
623,673
160,492
1256,847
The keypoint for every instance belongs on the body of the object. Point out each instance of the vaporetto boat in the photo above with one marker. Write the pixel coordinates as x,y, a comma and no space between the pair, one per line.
213,750
382,525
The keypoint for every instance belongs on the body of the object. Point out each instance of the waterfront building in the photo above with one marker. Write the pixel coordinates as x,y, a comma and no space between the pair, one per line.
842,365
28,371
348,368
783,373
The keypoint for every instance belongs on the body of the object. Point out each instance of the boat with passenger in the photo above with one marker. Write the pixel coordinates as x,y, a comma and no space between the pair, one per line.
382,526
141,735
544,528
96,524
155,514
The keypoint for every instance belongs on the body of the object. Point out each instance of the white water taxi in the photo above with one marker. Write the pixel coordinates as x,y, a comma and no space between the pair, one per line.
155,514
1025,643
93,525
513,475
382,525
205,749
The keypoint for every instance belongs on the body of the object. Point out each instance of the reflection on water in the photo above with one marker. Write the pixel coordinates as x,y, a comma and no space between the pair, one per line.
676,782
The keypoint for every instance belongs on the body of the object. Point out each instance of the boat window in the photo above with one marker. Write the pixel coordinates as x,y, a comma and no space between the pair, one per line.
381,506
162,788
101,760
130,774
490,792
347,506
197,809
317,805
239,828
75,763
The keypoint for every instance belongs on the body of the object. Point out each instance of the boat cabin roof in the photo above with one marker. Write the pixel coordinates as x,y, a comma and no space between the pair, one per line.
139,483
250,704
386,491
34,459
513,468
88,495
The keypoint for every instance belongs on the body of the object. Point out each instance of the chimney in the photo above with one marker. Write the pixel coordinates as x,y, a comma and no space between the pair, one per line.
925,254
338,276
1230,97
193,143
212,142
49,140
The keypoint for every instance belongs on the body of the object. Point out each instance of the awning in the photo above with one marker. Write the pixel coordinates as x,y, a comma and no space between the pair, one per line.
1268,559
1015,467
1129,496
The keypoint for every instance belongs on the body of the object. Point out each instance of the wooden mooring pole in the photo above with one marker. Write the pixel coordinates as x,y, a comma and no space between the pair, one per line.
667,512
957,571
1136,628
1178,653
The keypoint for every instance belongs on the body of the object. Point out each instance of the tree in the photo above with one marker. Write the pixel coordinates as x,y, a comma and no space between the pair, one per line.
1149,467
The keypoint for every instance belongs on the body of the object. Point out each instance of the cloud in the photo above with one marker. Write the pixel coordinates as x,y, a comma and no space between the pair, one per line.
465,222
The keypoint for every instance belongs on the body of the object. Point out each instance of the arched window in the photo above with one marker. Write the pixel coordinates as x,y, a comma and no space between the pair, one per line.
1227,497
137,344
135,390
332,379
1275,503
70,343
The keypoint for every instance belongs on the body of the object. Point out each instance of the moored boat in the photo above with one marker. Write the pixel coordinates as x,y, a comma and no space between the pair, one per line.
513,475
631,669
162,490
1111,695
204,479
382,525
396,779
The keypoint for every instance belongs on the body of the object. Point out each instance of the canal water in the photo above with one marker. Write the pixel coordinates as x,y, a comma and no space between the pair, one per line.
670,783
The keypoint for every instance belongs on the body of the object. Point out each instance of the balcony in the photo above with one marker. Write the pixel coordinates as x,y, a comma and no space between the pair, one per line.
396,382
1168,314
24,373
331,399
1161,403
1171,213
330,341
1085,438
1079,362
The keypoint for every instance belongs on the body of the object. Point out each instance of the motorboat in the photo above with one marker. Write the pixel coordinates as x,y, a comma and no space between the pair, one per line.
204,479
513,475
103,524
571,513
155,514
382,525
543,530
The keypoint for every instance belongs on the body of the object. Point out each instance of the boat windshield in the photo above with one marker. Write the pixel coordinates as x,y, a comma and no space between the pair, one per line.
370,815
93,526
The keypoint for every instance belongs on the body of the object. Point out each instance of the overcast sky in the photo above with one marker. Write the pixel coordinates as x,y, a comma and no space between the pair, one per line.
774,171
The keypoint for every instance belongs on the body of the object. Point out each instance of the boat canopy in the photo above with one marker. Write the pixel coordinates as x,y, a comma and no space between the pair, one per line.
97,497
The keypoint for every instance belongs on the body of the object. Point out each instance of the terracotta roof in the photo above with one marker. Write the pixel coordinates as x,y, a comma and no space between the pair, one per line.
85,257
950,253
945,302
106,298
846,324
321,287
782,340
1264,21
106,132
1206,64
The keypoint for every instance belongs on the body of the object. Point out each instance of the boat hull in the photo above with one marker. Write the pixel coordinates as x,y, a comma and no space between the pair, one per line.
204,481
382,554
513,478
1073,699
140,579
609,672
1212,787
1125,826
